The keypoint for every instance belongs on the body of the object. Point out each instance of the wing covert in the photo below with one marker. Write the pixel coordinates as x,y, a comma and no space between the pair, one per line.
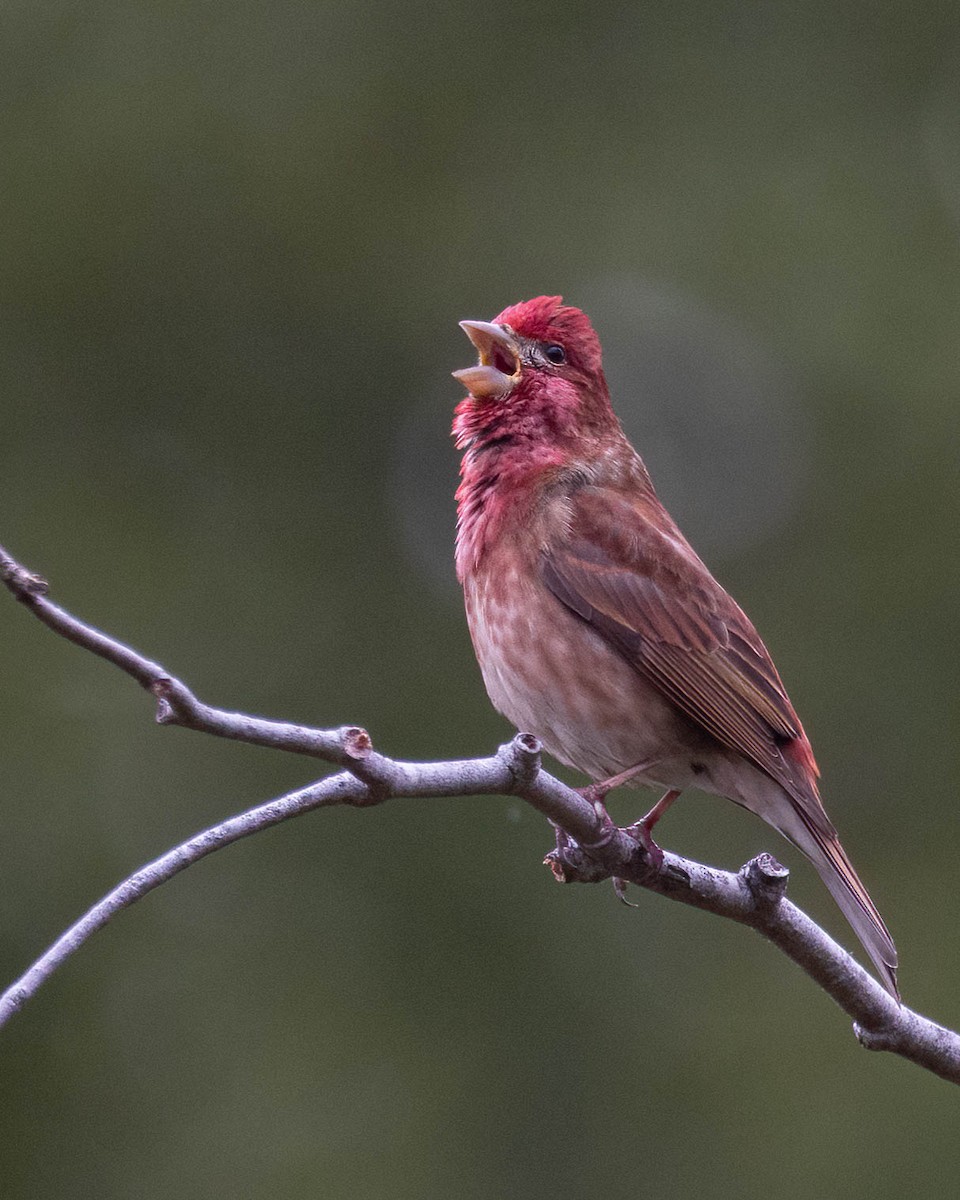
640,584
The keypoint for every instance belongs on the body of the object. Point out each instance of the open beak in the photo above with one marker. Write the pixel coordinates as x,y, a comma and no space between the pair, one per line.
498,370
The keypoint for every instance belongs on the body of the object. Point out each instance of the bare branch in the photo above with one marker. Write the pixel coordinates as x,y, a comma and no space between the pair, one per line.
588,849
176,703
137,886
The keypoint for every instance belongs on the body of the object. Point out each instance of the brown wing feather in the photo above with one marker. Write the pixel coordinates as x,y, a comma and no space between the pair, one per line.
638,582
623,566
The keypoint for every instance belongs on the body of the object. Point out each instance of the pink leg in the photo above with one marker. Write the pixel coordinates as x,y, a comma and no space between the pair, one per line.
596,793
661,806
641,830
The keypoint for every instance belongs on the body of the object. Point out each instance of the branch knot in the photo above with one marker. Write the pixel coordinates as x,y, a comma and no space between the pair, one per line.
361,760
767,880
357,743
521,757
24,584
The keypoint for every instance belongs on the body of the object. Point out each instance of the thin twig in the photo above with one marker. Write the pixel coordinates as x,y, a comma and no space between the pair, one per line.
754,896
176,703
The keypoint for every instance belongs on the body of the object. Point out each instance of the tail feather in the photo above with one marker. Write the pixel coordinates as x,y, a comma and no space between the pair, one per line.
836,871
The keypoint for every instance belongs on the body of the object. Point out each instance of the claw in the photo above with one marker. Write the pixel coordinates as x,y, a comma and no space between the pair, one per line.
620,887
640,833
594,795
563,839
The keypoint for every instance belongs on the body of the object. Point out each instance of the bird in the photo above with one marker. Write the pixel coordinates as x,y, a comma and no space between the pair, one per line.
595,624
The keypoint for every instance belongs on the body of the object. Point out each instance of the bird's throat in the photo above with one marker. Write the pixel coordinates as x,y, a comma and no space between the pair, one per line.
501,481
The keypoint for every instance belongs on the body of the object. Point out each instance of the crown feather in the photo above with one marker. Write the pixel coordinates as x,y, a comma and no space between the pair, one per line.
548,319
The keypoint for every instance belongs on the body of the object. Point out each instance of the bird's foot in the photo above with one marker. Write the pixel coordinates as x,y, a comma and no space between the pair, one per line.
595,795
641,833
571,862
564,841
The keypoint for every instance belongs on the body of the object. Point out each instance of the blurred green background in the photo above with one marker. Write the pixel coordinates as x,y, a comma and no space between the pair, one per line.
234,247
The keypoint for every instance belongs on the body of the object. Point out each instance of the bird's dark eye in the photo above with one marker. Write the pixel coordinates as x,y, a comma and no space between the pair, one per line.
556,354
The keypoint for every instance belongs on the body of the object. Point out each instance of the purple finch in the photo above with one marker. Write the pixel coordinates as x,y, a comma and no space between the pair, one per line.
596,626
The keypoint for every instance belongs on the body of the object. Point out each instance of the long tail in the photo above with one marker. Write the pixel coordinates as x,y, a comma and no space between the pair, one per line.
836,871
